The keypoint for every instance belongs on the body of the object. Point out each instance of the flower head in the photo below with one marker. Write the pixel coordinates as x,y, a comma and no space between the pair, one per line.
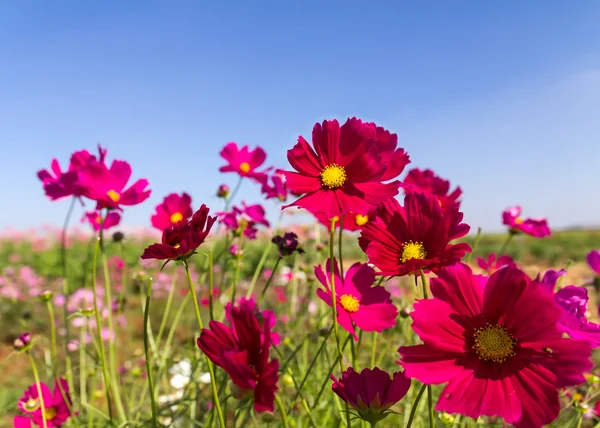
94,218
242,350
23,342
497,344
181,240
244,219
593,259
537,227
344,172
278,188
425,181
244,161
106,185
492,264
402,240
371,392
56,404
395,160
287,244
358,303
223,191
265,316
173,209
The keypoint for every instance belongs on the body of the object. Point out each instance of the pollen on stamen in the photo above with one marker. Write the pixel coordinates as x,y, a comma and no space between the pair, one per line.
494,343
412,250
333,176
176,217
114,196
245,167
349,303
361,220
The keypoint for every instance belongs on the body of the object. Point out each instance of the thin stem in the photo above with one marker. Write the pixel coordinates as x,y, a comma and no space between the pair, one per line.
281,411
429,392
36,376
211,371
506,242
211,285
147,353
264,291
258,270
336,330
327,378
65,274
415,404
102,353
166,312
232,195
340,247
477,237
373,349
82,367
52,337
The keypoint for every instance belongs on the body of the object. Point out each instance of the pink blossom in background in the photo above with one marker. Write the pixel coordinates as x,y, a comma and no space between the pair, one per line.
593,259
425,181
537,227
276,188
94,219
173,209
244,161
244,217
492,264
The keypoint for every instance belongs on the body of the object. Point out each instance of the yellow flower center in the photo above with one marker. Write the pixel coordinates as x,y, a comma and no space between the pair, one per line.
245,167
113,195
31,405
176,217
518,220
494,343
412,250
333,176
349,303
176,246
98,219
361,220
50,413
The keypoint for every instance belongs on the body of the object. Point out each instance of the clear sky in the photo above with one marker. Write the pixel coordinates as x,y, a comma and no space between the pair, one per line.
502,98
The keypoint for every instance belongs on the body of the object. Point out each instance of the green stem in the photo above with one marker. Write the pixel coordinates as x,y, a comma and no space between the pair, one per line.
336,330
65,290
232,195
211,371
102,352
327,378
281,411
505,245
429,392
211,280
415,404
373,350
264,291
166,312
147,353
82,368
477,237
36,376
340,247
52,337
258,270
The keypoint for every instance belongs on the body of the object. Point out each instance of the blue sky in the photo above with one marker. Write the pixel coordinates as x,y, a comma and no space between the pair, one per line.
502,98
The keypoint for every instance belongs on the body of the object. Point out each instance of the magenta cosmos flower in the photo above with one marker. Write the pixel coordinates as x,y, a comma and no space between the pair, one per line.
244,219
573,302
402,240
277,188
242,350
94,218
358,303
593,259
371,392
173,209
181,240
344,172
497,344
266,316
537,227
244,161
492,264
106,185
55,405
425,181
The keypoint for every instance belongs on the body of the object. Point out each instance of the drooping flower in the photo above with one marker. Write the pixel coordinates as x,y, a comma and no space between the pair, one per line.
244,161
425,181
94,218
181,240
287,244
173,209
358,303
278,188
497,344
351,222
265,316
395,160
492,264
402,240
242,350
244,219
55,404
344,172
106,185
573,302
371,392
537,227
593,260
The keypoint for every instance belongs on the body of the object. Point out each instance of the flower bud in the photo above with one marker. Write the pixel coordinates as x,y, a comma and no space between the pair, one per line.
22,343
223,191
118,236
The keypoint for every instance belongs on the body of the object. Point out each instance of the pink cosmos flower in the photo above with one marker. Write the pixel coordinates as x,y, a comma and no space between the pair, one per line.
371,392
278,189
573,302
497,344
244,219
56,408
358,303
343,174
94,218
593,259
425,181
492,264
106,185
173,209
537,227
244,161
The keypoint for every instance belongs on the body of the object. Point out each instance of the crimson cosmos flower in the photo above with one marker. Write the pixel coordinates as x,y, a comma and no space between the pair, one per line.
56,408
344,172
492,264
371,392
181,240
497,344
425,181
173,209
242,350
402,240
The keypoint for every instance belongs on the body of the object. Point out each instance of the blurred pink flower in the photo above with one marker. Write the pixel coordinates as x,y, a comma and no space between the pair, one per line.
94,219
244,161
537,227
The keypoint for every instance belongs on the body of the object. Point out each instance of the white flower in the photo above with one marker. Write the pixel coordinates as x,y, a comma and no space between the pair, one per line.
204,378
